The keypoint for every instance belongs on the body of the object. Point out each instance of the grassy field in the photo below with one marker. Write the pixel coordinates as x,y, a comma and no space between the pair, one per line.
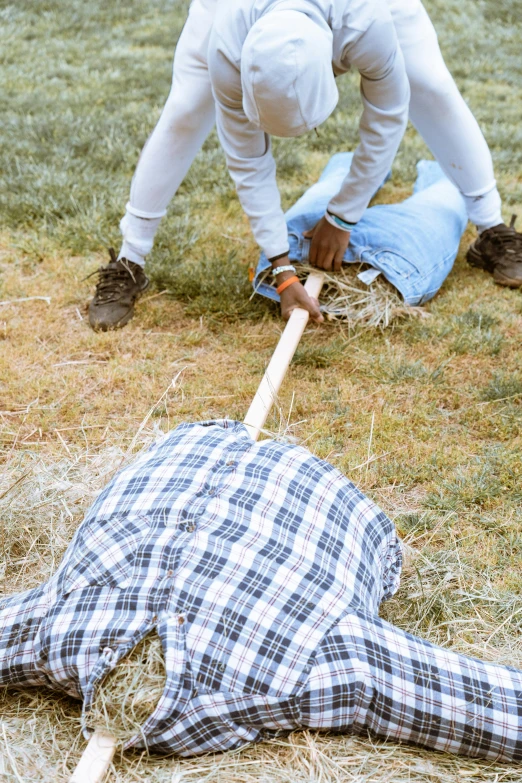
426,416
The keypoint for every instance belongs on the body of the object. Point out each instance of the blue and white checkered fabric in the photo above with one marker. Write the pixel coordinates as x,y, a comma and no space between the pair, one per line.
241,554
247,558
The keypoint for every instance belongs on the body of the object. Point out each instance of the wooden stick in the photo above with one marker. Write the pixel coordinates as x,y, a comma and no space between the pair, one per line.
280,361
99,752
95,759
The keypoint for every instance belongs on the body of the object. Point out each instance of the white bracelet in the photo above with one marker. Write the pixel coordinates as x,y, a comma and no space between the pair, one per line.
279,269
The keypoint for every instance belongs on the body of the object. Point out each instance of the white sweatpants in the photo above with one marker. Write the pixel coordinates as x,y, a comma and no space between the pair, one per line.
437,110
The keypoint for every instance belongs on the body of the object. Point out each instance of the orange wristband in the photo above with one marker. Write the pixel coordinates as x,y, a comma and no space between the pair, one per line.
287,283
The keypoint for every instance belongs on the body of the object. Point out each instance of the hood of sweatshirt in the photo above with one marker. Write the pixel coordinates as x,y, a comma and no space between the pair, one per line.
286,74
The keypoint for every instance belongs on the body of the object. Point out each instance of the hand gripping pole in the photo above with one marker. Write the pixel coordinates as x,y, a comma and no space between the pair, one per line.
280,361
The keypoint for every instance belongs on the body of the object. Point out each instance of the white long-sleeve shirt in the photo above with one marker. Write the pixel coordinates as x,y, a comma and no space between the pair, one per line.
364,38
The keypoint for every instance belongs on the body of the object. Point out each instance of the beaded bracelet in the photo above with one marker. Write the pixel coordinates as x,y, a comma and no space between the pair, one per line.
279,269
286,284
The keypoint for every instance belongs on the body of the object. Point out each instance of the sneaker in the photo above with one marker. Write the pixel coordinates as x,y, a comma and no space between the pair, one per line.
119,284
498,250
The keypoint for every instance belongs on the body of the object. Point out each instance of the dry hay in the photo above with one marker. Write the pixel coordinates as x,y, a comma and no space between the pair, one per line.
129,694
308,757
41,505
40,734
346,299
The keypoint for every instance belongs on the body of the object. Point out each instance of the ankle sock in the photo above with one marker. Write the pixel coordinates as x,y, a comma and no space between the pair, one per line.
484,209
138,235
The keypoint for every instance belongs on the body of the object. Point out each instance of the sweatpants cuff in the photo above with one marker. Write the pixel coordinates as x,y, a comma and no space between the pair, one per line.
146,215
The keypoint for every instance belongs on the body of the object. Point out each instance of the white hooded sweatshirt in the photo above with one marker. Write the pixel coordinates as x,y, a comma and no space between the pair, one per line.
272,65
286,74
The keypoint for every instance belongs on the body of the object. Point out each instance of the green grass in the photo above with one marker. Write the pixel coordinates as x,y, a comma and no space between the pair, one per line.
502,386
425,417
83,84
313,355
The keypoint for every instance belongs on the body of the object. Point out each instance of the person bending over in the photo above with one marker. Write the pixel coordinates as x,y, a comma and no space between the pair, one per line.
261,568
268,67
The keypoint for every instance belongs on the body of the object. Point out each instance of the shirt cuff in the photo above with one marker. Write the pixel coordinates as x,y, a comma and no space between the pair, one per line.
338,222
275,251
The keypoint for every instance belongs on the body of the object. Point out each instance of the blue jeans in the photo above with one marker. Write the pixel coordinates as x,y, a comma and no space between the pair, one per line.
413,244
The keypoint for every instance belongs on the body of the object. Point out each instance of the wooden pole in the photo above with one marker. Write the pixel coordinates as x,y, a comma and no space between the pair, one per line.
96,759
280,361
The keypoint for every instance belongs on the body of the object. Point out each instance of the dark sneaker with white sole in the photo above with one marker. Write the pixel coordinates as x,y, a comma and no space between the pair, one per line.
498,250
119,284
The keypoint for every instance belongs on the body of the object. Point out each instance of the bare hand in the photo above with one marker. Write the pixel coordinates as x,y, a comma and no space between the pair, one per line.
328,247
296,296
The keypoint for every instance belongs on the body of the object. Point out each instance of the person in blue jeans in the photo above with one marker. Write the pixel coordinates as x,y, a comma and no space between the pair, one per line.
413,244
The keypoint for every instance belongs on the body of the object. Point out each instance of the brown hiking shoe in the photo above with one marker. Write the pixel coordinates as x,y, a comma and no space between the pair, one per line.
119,284
499,250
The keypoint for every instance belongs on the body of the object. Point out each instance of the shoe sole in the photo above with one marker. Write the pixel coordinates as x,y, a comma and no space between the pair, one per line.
507,282
475,259
97,327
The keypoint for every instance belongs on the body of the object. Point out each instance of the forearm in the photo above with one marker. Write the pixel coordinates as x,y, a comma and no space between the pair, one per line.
385,97
283,274
260,200
248,155
372,160
291,292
